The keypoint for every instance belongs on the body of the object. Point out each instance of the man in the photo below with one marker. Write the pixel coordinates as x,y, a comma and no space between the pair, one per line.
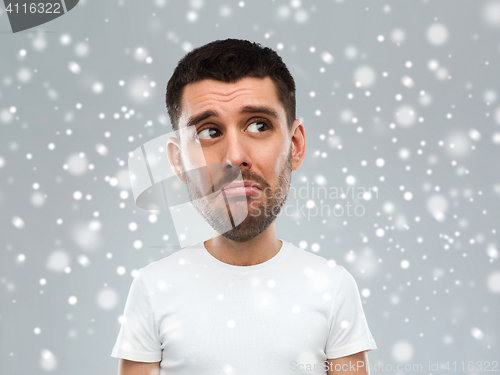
243,302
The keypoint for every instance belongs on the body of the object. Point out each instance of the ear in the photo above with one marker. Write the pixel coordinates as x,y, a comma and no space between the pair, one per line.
174,158
298,144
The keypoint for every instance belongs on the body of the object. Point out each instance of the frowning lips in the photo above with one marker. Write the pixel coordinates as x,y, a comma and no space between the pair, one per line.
240,184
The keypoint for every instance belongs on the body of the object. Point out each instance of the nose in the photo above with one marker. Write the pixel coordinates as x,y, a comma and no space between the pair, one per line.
236,150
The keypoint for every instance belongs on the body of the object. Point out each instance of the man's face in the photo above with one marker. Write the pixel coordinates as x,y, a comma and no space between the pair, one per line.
255,142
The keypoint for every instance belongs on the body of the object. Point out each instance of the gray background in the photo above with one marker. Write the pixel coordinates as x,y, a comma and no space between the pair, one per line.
430,283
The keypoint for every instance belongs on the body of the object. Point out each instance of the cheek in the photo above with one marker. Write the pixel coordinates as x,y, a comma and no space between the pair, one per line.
271,165
197,172
192,156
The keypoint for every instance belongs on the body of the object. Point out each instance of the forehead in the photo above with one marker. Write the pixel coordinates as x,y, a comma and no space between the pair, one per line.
229,98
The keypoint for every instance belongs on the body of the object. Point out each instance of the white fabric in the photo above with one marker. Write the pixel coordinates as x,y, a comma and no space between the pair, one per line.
198,315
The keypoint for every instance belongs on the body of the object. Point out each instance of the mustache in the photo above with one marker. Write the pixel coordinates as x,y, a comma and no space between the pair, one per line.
230,176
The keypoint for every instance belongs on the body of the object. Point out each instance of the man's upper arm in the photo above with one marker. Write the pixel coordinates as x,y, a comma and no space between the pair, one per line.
348,329
354,364
126,367
138,339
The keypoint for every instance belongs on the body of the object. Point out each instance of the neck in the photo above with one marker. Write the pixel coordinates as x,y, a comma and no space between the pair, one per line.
255,251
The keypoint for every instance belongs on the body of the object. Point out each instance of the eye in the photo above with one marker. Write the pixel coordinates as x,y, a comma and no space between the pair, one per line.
257,125
206,133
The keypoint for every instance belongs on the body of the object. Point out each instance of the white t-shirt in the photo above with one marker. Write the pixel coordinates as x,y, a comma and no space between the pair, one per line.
198,315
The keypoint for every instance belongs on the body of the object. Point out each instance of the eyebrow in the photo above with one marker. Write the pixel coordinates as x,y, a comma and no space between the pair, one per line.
246,109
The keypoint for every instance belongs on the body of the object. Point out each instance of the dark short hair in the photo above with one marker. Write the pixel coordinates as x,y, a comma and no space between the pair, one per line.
229,61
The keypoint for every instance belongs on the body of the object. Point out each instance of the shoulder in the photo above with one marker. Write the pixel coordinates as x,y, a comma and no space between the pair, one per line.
324,275
315,266
171,264
309,259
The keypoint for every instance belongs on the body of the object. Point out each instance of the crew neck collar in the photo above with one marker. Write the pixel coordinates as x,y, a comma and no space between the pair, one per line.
244,269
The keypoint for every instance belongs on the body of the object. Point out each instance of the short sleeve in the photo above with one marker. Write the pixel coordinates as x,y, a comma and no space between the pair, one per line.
138,338
349,332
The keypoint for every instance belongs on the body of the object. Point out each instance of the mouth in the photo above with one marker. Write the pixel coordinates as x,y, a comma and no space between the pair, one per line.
240,188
